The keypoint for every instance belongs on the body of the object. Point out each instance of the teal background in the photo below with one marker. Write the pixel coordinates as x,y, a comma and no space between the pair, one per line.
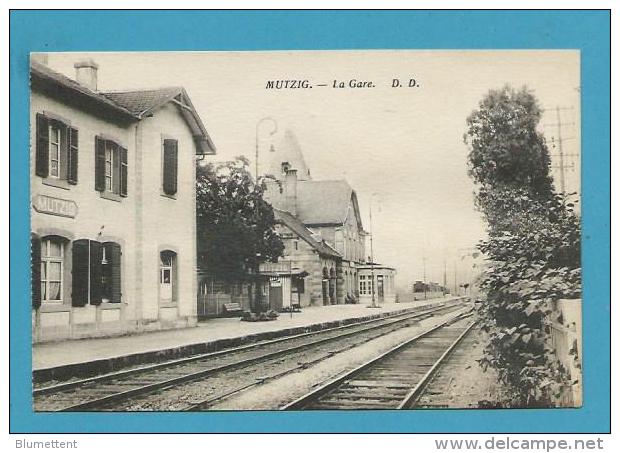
588,31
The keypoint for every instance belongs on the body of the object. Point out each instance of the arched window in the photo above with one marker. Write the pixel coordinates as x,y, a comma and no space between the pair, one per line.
168,276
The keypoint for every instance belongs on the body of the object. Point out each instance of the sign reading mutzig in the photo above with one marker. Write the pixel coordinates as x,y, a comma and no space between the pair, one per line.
55,206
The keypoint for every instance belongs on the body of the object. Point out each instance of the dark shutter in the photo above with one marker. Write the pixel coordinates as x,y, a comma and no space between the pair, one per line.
174,278
42,146
170,166
116,169
95,273
80,270
113,271
72,167
123,159
35,269
99,164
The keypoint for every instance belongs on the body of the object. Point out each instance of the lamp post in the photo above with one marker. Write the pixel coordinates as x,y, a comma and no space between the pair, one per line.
372,258
424,275
258,124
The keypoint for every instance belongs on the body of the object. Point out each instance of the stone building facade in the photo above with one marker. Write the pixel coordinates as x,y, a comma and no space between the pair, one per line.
328,210
113,206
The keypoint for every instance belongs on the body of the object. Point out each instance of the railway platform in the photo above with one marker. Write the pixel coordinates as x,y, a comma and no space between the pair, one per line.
81,357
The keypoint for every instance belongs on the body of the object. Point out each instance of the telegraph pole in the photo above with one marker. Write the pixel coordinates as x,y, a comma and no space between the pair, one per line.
561,154
562,182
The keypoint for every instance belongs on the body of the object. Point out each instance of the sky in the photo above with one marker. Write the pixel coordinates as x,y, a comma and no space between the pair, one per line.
401,149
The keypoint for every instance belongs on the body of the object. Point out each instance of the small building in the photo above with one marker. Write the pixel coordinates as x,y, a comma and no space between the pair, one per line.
378,281
112,180
286,285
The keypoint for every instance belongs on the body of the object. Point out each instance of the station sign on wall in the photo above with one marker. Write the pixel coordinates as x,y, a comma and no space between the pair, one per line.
54,206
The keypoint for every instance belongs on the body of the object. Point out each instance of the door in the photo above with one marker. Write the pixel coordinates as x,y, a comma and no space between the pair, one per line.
165,283
275,294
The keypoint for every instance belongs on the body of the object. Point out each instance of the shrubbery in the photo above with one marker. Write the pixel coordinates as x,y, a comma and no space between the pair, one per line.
533,246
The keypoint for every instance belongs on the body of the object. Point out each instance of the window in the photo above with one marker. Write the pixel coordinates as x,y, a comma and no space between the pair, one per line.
362,284
56,150
169,167
110,167
52,268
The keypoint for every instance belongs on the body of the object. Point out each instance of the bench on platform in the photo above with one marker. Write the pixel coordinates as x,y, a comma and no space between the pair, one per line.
232,308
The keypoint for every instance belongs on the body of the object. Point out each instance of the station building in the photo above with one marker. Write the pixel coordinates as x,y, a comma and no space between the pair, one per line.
321,224
112,206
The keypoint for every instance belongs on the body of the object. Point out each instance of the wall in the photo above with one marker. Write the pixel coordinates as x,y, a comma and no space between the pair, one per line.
97,219
389,289
307,259
168,222
143,223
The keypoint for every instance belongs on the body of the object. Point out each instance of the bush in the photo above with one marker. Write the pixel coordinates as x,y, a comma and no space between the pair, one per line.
269,315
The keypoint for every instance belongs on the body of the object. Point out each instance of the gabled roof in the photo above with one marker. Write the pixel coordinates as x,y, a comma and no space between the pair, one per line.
325,202
300,230
122,105
143,103
319,202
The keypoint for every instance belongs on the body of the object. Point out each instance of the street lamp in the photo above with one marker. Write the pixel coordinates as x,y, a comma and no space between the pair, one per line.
258,124
372,258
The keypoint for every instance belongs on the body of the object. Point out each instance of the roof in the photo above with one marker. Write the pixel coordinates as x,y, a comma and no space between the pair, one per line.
319,202
375,266
300,230
42,76
129,105
287,149
323,202
143,103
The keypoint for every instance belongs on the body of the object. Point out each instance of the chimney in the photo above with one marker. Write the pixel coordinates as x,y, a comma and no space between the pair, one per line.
86,73
290,191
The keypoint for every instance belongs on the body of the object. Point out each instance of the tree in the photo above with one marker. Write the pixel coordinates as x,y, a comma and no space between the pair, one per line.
506,150
533,245
235,225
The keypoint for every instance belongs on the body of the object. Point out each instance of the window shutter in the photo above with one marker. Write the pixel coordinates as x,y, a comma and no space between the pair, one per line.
79,273
174,279
113,255
99,164
72,167
95,273
116,169
35,266
170,166
123,160
42,146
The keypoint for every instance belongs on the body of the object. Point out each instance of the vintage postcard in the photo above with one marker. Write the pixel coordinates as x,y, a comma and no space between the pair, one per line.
305,230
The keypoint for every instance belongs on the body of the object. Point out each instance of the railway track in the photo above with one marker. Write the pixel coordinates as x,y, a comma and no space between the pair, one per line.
112,390
393,380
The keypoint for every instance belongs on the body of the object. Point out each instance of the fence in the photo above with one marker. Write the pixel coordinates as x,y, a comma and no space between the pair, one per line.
213,295
566,339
